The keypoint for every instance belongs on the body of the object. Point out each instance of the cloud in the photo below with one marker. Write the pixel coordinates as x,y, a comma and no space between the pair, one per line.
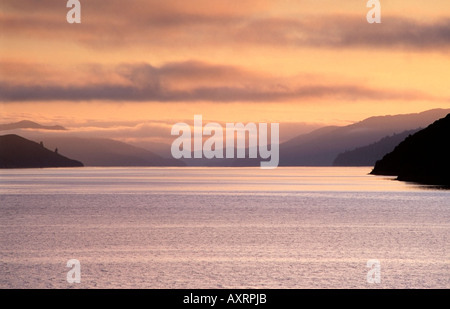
146,132
190,82
348,31
216,23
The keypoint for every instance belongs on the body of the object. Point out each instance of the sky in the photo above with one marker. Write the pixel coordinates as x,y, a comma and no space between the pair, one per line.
140,64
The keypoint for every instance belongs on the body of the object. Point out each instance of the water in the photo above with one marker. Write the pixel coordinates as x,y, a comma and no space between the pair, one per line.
220,228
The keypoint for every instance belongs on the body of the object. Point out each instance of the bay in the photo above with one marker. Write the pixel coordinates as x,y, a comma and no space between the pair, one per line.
292,227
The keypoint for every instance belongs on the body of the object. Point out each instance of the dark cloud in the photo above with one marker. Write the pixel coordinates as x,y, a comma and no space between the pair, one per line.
202,82
181,23
348,32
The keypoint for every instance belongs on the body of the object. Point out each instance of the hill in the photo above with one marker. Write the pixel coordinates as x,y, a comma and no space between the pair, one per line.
321,147
26,124
106,152
317,148
18,152
423,157
370,154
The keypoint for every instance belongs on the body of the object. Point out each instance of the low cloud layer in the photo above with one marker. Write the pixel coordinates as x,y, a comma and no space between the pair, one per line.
154,135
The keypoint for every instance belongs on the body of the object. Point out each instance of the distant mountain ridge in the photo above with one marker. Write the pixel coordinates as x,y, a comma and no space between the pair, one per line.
317,148
423,157
26,124
106,152
18,152
321,147
370,154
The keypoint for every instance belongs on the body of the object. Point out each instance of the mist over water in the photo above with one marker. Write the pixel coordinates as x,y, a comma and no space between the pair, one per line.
296,227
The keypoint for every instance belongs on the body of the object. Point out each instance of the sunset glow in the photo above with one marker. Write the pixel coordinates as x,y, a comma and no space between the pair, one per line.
308,62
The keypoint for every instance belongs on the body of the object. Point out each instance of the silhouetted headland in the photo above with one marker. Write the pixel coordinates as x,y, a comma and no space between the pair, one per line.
423,157
18,152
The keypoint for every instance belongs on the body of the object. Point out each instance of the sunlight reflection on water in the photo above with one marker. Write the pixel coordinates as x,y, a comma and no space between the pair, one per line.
305,227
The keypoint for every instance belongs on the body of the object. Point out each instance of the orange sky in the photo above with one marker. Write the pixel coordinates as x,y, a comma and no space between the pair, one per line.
312,62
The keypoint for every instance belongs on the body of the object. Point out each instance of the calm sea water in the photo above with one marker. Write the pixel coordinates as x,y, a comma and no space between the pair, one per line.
220,228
